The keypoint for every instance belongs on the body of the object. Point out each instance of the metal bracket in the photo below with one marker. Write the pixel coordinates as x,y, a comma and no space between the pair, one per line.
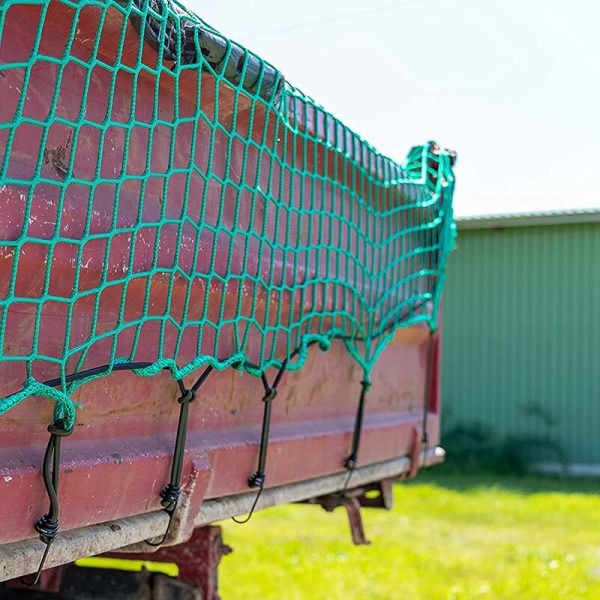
383,498
415,453
351,501
355,499
352,506
198,559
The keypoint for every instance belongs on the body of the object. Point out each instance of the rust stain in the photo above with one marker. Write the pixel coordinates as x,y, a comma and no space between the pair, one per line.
117,458
291,400
57,157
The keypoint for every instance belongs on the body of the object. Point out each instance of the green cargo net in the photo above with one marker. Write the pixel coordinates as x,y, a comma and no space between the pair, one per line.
169,201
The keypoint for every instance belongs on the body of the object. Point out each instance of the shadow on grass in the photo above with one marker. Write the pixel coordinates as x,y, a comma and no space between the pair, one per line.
447,477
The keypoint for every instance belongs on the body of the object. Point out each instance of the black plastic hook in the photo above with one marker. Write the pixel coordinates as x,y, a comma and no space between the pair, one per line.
352,460
170,493
48,525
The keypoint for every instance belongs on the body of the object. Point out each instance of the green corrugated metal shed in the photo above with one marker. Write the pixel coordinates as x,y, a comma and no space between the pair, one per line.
522,329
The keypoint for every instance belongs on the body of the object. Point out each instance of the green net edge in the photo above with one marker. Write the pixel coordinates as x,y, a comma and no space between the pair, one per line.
65,407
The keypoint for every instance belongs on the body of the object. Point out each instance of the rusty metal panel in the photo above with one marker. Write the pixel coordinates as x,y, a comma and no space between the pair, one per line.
19,558
522,334
119,456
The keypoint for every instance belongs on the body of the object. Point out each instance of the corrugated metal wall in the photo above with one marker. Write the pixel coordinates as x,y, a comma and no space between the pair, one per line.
522,334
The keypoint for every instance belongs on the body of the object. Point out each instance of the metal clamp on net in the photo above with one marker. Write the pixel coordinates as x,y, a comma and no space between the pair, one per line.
48,525
170,493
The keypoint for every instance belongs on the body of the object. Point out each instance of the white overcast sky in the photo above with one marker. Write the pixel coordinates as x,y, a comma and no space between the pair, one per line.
512,85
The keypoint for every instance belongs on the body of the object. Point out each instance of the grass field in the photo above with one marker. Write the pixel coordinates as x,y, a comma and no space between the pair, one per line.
448,537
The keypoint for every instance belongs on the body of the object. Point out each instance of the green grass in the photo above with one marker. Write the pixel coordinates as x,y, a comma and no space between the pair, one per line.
448,537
